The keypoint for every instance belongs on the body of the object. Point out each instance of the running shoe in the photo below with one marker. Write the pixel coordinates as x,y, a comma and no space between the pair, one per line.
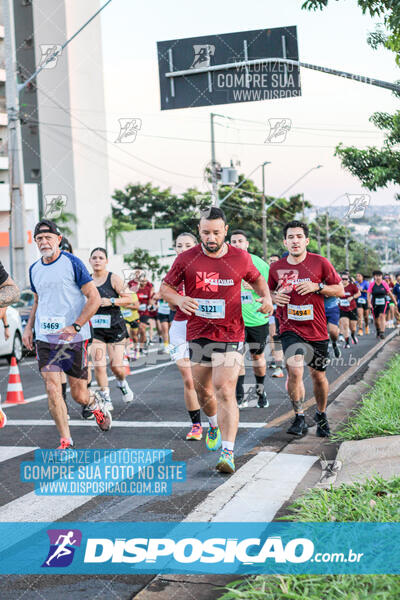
126,391
354,338
3,419
101,414
382,335
213,438
65,444
87,413
347,345
278,372
105,396
299,426
272,365
226,463
336,351
341,338
242,402
196,433
360,332
366,330
262,401
322,425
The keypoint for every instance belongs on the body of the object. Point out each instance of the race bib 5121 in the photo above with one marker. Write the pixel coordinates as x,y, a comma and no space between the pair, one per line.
210,309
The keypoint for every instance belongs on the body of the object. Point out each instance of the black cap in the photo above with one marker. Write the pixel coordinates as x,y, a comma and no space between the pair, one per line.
46,226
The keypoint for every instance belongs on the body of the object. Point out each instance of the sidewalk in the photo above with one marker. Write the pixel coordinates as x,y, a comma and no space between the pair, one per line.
269,482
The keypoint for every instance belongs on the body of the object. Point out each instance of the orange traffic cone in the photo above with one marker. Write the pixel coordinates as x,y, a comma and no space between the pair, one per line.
126,365
15,394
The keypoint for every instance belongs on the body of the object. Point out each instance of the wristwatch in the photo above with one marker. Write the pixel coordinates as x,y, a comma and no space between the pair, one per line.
6,326
320,287
76,327
112,300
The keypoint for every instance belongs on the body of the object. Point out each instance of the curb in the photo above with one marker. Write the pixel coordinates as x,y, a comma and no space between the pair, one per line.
195,586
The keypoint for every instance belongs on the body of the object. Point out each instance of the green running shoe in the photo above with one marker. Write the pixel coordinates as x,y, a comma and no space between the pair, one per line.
226,463
213,438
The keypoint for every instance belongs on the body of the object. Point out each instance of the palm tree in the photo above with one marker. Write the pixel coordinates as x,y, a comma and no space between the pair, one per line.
63,222
114,229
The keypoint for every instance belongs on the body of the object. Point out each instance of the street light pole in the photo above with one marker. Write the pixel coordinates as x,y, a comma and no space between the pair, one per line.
214,183
17,230
264,212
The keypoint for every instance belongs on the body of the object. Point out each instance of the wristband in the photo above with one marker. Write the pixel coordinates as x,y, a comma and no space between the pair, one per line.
6,326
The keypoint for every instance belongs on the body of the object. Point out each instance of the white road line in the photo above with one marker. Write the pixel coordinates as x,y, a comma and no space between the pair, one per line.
138,424
7,452
37,508
43,396
257,491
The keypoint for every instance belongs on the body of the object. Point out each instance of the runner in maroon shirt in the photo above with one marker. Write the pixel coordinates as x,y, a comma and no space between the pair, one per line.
212,273
145,295
299,283
348,310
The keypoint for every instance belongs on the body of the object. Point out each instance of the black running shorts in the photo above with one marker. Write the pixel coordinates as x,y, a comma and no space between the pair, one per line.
315,352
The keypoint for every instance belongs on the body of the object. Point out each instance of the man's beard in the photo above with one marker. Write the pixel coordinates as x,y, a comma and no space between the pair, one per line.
213,249
48,253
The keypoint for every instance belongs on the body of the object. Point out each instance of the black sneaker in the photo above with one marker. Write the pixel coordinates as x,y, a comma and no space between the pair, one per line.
242,402
336,350
299,426
322,425
87,413
262,401
382,335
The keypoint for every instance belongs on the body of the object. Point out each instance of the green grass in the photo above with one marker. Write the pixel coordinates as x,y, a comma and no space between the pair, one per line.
375,500
315,587
379,413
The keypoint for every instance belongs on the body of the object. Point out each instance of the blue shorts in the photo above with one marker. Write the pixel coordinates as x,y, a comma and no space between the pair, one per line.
332,315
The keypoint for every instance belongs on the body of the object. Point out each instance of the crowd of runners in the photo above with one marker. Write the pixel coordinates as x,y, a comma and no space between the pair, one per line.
216,301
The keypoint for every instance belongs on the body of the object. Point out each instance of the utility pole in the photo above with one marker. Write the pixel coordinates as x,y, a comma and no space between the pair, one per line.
328,238
318,232
302,201
347,248
15,164
264,214
214,182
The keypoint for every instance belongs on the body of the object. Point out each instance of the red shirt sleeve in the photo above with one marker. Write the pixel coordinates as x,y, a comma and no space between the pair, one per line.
272,279
252,273
354,289
329,274
175,275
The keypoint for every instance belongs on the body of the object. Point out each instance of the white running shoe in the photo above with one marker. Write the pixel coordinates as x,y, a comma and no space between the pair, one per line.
126,392
105,396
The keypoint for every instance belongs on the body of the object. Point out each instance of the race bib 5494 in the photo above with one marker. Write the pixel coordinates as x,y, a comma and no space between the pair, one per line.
300,313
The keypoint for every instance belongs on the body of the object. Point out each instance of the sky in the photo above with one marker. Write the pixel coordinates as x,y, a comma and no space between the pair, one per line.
172,147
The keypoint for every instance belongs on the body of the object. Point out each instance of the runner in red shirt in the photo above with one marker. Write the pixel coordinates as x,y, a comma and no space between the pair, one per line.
299,283
145,295
212,272
348,310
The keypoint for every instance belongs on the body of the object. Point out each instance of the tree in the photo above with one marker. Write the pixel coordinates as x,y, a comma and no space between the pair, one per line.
114,230
376,167
144,260
63,221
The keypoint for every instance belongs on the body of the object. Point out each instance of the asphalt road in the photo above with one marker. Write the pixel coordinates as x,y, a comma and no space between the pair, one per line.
156,419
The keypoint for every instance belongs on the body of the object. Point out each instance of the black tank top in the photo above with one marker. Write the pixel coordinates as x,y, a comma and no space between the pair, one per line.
378,291
106,290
